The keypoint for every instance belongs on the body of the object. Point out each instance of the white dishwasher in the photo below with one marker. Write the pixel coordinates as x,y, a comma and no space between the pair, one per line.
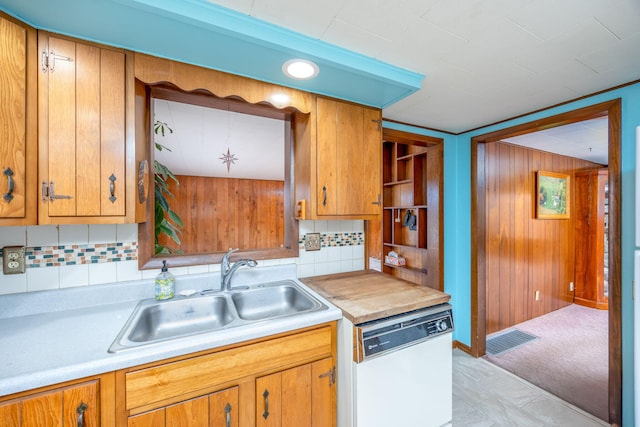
396,371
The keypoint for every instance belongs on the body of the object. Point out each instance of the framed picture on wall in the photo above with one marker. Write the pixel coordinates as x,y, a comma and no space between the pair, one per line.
552,195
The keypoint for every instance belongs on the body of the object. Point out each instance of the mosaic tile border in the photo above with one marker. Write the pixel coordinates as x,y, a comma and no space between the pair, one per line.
63,255
336,239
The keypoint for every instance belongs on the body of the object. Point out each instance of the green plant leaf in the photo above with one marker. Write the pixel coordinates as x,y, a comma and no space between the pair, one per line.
167,221
175,218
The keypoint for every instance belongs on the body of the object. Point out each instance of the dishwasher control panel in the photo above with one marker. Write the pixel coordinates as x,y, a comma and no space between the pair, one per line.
382,336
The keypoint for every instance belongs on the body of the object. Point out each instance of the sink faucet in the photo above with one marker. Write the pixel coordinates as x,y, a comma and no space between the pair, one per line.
227,270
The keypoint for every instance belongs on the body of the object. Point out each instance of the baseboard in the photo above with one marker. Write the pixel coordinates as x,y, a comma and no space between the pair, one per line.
463,347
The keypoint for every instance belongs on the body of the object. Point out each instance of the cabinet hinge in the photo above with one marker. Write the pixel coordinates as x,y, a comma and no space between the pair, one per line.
48,60
44,60
45,192
331,374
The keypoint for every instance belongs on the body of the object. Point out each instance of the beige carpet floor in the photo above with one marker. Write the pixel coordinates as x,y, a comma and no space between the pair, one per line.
569,359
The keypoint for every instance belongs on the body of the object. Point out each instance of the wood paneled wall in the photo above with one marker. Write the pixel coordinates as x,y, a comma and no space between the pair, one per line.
223,213
525,254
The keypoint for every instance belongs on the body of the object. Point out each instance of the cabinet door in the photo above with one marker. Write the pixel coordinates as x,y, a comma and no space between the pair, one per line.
217,409
43,410
192,413
326,157
349,165
269,400
148,419
300,396
82,125
296,396
10,414
80,403
224,408
58,408
18,112
323,393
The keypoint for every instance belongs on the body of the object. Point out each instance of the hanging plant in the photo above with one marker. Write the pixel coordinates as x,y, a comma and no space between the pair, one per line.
167,221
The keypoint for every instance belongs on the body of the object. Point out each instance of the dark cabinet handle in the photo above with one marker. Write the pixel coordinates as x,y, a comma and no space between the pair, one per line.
112,188
9,194
227,411
324,196
80,411
265,414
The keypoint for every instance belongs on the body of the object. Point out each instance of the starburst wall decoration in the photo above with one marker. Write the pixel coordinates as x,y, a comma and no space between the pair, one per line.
228,159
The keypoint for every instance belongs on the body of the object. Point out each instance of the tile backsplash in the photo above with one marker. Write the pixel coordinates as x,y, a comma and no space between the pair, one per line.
78,255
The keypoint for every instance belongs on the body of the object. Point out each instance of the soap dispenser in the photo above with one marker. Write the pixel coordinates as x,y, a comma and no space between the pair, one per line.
165,284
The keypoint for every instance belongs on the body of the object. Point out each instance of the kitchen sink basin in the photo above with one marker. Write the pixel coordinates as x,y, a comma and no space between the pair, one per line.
157,321
270,302
153,321
180,317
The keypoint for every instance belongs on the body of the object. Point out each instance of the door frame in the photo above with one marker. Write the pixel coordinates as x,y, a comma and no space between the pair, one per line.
611,109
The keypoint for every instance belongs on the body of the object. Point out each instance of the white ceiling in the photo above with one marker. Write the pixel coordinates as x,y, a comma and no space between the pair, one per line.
200,137
484,60
585,140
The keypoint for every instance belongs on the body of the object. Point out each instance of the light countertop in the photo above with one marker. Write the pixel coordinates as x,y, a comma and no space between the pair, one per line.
55,336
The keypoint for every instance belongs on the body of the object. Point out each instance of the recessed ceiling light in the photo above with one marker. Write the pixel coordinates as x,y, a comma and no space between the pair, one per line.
300,69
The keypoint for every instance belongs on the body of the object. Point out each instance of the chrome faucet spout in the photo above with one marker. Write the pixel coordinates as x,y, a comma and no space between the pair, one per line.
227,270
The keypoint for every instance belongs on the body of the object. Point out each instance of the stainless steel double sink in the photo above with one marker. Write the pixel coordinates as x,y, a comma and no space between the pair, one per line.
156,321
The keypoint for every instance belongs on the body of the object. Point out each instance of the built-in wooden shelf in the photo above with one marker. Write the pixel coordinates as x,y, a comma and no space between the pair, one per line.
412,177
404,267
406,181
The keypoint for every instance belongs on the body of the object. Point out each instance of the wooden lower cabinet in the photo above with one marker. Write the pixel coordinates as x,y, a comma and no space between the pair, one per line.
287,380
85,404
221,388
300,396
216,409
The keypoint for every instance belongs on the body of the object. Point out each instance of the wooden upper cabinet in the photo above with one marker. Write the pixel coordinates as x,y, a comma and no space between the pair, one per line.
84,152
338,162
18,123
348,159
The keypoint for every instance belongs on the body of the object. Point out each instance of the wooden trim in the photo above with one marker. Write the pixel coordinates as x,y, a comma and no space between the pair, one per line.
402,137
170,92
146,252
615,262
612,109
461,346
478,250
152,70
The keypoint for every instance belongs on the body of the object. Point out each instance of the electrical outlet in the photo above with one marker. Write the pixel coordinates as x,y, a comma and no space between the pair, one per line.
571,287
537,295
312,242
13,260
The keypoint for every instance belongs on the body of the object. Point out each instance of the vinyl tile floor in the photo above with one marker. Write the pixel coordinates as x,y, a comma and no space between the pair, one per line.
486,395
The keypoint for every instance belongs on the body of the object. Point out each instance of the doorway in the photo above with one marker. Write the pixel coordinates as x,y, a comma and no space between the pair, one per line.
611,109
